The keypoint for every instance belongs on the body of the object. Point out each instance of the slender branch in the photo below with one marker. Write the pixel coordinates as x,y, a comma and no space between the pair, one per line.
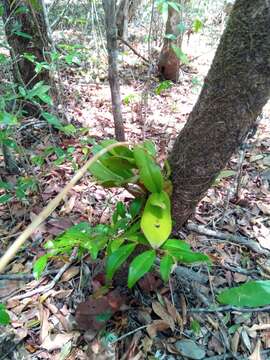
129,333
229,308
235,239
51,285
14,248
134,50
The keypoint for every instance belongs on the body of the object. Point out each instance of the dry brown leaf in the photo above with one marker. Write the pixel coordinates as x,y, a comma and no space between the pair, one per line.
235,340
70,273
44,323
265,208
256,355
54,342
174,313
157,325
69,205
163,314
260,327
239,277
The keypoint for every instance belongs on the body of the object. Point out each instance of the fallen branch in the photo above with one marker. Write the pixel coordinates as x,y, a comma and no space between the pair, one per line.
51,285
24,276
14,248
135,51
235,239
229,308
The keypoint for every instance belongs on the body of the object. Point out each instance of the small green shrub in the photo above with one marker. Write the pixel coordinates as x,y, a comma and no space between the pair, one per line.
145,221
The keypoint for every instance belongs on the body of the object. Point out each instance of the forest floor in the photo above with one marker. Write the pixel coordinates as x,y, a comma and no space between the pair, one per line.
180,320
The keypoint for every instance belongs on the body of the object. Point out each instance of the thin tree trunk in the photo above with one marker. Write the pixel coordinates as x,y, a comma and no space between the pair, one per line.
235,90
125,12
111,32
26,35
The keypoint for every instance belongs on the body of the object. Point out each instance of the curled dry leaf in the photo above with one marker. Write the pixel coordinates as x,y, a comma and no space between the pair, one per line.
256,355
54,342
44,314
163,314
94,313
70,273
157,325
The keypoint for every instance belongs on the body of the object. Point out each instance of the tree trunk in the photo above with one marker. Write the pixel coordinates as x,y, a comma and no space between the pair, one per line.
111,32
169,63
26,33
235,90
126,11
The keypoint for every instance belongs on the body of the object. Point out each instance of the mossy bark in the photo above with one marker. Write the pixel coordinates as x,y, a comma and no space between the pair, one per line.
235,90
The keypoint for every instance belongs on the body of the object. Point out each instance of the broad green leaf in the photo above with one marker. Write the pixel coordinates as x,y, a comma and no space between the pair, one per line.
5,198
4,317
104,175
150,173
138,238
181,27
180,54
189,257
21,10
1,9
71,237
162,86
117,258
119,151
197,25
224,174
177,7
36,4
139,266
166,264
114,245
156,222
119,211
22,91
45,98
150,147
8,119
69,129
39,266
22,34
5,185
136,206
119,166
171,37
52,119
104,316
251,294
164,11
175,244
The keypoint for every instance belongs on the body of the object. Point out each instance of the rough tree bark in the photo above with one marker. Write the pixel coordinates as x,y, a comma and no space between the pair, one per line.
111,32
235,90
169,63
26,33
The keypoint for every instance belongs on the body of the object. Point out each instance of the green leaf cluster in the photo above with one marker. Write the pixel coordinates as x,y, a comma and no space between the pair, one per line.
4,317
145,221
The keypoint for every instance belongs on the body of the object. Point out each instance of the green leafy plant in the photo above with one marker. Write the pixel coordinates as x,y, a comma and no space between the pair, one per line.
163,86
251,294
145,221
4,317
23,187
